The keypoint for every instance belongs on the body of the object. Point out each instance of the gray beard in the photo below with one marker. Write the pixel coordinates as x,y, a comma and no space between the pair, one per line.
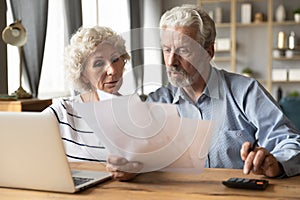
182,81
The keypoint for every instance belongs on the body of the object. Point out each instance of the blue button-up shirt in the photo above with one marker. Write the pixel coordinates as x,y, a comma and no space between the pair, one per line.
242,111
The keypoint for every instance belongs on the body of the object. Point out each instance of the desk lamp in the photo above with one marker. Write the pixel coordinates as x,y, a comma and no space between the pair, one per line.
15,35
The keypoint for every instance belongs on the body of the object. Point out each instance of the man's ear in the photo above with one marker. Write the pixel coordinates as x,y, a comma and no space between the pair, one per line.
211,50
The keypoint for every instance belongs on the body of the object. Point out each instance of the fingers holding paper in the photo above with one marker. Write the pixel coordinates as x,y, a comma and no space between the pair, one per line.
259,161
122,169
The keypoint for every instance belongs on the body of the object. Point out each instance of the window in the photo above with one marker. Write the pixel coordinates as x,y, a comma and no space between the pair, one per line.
113,14
52,82
13,63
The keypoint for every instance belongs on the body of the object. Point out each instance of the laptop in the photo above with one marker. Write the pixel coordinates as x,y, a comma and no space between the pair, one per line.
32,155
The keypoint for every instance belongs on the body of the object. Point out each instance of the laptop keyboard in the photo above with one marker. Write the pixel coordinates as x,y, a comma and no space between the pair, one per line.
80,180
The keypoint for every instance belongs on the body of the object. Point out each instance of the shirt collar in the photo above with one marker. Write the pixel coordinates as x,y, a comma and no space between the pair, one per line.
212,88
180,94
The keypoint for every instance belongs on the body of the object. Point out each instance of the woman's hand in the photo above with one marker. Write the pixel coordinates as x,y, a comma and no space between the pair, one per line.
259,161
121,169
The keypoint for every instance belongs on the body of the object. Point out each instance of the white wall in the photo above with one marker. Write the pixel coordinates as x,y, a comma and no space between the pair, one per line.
168,4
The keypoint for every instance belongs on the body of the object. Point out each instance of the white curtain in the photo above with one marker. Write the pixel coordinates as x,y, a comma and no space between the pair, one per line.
33,14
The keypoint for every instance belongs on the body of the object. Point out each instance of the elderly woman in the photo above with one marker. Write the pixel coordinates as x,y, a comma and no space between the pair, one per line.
94,65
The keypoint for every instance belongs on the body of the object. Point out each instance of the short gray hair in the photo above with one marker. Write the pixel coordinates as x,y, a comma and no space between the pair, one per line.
191,15
82,44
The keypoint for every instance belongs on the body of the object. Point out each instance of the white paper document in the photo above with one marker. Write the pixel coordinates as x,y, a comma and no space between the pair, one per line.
151,133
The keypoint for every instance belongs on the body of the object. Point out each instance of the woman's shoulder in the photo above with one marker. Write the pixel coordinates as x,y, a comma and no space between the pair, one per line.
66,100
64,104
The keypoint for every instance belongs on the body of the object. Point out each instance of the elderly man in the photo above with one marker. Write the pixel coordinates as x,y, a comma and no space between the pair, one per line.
244,112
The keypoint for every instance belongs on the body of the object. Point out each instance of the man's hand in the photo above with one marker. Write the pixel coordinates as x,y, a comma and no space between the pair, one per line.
259,161
121,169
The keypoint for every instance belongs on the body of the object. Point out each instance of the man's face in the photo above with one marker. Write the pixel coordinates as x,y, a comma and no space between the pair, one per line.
184,57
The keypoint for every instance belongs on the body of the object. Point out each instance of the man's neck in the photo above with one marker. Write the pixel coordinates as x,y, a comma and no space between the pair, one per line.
195,90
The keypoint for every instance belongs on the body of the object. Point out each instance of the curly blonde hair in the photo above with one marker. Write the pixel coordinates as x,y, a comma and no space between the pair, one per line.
82,44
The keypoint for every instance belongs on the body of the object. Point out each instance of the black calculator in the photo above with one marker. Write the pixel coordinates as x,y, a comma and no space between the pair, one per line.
245,183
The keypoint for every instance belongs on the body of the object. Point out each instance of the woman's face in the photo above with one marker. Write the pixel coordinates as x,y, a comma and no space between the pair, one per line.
104,69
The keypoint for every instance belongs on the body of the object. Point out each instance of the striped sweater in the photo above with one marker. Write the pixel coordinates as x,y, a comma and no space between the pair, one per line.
80,142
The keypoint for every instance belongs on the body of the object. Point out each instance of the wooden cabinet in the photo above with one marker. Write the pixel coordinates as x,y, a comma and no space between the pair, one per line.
253,44
35,105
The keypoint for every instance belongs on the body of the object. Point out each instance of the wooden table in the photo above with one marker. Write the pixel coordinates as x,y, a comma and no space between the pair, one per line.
163,185
34,104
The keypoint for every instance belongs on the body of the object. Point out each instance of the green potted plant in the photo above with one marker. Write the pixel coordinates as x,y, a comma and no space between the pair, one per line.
297,15
247,71
294,94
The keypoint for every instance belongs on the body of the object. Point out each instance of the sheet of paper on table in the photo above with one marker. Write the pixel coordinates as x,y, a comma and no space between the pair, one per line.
151,133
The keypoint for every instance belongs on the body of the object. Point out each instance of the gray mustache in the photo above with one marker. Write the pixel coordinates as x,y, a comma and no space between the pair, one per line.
175,69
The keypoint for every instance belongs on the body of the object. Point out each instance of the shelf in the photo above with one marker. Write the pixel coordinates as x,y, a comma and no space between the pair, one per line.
222,59
216,1
223,25
287,59
251,44
247,1
286,82
283,52
36,105
285,23
238,24
285,49
262,81
222,51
